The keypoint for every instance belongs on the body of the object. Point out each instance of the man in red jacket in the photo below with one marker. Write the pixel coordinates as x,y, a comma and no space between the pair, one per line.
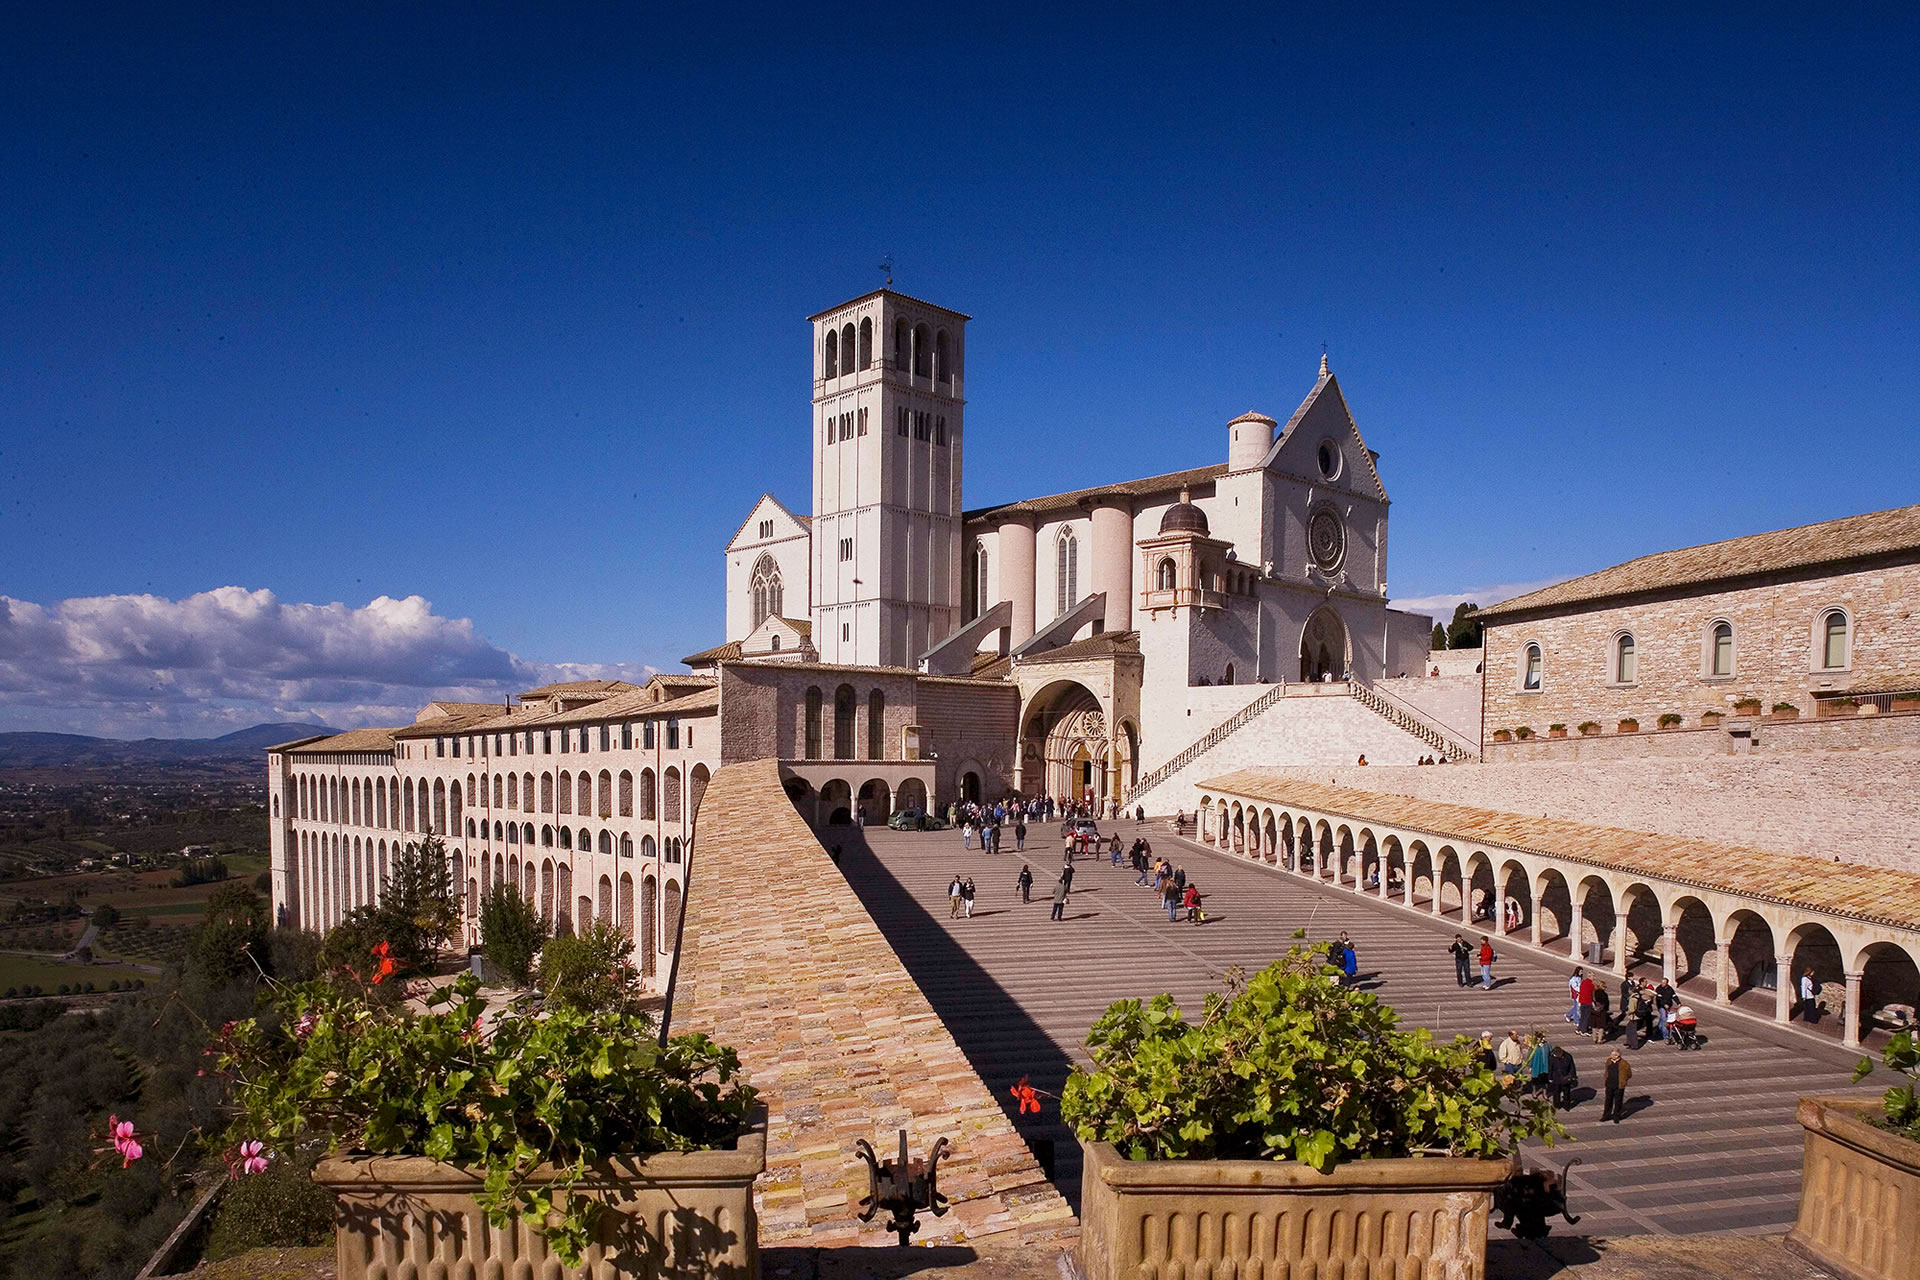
1486,963
1586,1004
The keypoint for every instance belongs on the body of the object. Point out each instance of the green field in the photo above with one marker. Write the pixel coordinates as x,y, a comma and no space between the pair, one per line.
49,975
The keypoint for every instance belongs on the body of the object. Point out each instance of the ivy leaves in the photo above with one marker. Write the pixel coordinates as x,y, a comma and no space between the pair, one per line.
1290,1065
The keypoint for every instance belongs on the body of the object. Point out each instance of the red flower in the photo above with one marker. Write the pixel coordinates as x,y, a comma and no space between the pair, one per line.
1028,1095
383,953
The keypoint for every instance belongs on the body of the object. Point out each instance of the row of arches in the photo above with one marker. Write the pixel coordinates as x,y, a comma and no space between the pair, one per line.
846,732
1746,951
836,803
582,839
399,804
409,805
930,353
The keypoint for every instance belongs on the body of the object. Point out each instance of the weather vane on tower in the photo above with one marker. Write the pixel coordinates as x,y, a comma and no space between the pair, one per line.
886,265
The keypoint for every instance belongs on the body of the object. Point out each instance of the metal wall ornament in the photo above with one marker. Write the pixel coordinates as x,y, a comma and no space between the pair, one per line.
902,1187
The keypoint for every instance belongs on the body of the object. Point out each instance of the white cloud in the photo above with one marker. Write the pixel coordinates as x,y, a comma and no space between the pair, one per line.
1441,606
224,659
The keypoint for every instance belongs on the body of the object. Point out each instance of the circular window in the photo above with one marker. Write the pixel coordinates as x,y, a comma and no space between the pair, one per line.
1326,540
1329,457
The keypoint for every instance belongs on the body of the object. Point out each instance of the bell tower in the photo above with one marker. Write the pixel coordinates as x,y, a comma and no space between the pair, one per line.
888,409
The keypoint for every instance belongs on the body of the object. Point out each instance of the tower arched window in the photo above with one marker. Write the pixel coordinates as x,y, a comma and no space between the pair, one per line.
1067,557
866,343
1165,575
1834,640
900,344
847,349
876,725
810,748
766,590
1530,674
922,352
942,357
843,704
833,355
1626,660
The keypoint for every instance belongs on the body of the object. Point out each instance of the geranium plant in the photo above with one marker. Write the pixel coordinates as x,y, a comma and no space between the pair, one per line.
1901,1103
566,1088
1290,1064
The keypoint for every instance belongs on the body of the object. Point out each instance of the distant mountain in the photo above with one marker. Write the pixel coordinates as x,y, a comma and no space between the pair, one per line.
73,750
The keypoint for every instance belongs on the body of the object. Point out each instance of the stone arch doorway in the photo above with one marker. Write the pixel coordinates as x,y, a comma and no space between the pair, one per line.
875,803
1067,745
1324,649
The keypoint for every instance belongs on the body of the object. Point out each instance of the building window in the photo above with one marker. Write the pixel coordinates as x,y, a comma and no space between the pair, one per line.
766,528
833,353
811,748
673,735
979,578
940,429
1834,640
876,725
1626,660
846,550
646,735
865,352
862,421
1067,557
846,631
626,737
1720,650
1165,575
843,705
1530,675
768,596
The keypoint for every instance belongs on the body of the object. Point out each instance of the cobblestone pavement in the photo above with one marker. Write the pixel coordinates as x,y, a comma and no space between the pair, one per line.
1710,1143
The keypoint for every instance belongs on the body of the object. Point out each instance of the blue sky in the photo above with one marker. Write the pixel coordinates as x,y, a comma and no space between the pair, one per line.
502,307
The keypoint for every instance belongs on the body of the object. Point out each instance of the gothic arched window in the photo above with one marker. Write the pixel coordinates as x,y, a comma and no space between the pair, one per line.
979,578
833,354
766,590
922,352
810,749
866,343
1165,577
1067,555
847,348
843,704
876,725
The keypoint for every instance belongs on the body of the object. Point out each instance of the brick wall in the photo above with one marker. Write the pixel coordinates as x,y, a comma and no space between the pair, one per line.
1825,733
969,723
1776,650
782,962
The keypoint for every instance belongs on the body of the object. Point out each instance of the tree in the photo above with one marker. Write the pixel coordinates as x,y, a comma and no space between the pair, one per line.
418,903
1439,640
592,972
1464,631
106,915
232,939
511,932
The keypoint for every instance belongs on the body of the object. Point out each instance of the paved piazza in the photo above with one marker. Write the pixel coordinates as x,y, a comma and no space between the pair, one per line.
1711,1144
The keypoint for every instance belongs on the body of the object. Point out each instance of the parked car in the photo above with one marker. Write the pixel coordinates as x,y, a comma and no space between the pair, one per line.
916,820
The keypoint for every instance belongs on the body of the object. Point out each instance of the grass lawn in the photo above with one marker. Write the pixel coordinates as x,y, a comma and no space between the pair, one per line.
20,971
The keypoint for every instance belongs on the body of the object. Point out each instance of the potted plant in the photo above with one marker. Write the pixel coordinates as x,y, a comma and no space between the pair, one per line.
1589,727
1861,1157
1669,720
1836,707
1711,719
1556,731
1906,702
572,1136
1746,706
1523,733
1785,711
1503,735
1293,1100
1629,725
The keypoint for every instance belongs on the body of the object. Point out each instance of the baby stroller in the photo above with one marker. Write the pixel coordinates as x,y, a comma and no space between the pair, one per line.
1684,1033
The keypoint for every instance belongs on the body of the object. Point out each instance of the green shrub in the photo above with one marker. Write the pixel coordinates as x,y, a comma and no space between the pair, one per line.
592,971
1900,1106
1523,733
1589,726
106,915
282,1208
511,933
1669,719
1556,728
1290,1065
1784,706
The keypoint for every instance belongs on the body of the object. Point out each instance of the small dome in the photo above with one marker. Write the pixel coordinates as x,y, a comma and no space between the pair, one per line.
1184,517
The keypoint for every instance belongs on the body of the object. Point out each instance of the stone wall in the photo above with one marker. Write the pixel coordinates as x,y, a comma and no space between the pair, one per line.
782,962
967,724
1777,654
1860,806
1454,662
1824,733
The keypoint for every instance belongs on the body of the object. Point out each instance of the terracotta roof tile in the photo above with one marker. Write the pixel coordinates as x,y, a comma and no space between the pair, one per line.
351,740
719,653
1172,482
1879,894
1854,537
1101,646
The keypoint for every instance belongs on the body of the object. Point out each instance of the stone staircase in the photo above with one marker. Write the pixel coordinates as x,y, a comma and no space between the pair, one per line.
1298,724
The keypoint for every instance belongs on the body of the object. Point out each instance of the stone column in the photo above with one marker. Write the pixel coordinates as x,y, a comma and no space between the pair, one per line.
1669,952
1533,926
1578,928
1017,582
1113,556
1434,869
1723,981
1850,1031
1620,947
1380,861
1499,929
1783,989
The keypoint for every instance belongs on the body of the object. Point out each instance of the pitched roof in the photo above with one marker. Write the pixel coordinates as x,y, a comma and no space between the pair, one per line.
802,626
1172,482
580,686
1879,894
351,740
1327,382
1104,645
707,657
805,522
1851,538
874,293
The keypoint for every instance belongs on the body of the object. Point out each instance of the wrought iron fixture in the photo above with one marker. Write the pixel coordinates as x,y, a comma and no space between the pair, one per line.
1527,1199
902,1187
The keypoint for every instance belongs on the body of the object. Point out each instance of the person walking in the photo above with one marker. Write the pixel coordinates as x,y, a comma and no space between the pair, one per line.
1809,996
1600,1015
1619,1071
1025,882
1191,901
1563,1077
1170,899
1487,957
1349,963
1511,1055
953,899
1573,994
1066,873
1664,998
966,897
1020,835
1061,888
1462,960
966,834
1583,1004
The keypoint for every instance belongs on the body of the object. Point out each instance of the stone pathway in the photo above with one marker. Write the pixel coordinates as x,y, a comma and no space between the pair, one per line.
1710,1145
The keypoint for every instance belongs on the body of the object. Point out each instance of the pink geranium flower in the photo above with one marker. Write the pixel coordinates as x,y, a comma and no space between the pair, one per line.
253,1157
124,1143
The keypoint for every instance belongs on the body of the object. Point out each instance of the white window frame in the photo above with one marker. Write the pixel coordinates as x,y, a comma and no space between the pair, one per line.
1614,678
1819,657
1527,648
1709,650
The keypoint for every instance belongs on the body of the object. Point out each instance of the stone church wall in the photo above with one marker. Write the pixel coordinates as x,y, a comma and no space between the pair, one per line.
1776,651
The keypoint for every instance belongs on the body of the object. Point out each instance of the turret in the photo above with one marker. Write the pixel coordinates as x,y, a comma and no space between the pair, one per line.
1249,436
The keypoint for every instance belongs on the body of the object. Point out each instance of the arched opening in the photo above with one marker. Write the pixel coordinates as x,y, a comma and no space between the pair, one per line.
623,909
876,725
649,927
942,357
1324,653
697,781
1598,921
1269,837
1554,909
1834,646
604,911
670,916
970,787
1889,989
810,746
1517,886
649,800
1481,892
1643,932
1164,574
849,349
843,705
913,795
922,351
830,358
670,794
1066,556
864,355
1751,959
836,803
1812,950
1626,659
1453,887
1420,875
875,802
768,593
1065,746
1696,954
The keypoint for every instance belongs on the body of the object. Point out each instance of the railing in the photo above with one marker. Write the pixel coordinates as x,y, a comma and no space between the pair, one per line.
1410,720
1208,741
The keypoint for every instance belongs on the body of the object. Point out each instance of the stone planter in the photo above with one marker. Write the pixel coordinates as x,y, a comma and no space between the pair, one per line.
1502,735
1746,708
1793,714
684,1214
1906,704
1627,726
1859,1193
1711,720
1556,733
1148,1218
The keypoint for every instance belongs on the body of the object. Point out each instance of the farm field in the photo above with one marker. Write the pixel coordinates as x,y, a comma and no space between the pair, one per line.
18,971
